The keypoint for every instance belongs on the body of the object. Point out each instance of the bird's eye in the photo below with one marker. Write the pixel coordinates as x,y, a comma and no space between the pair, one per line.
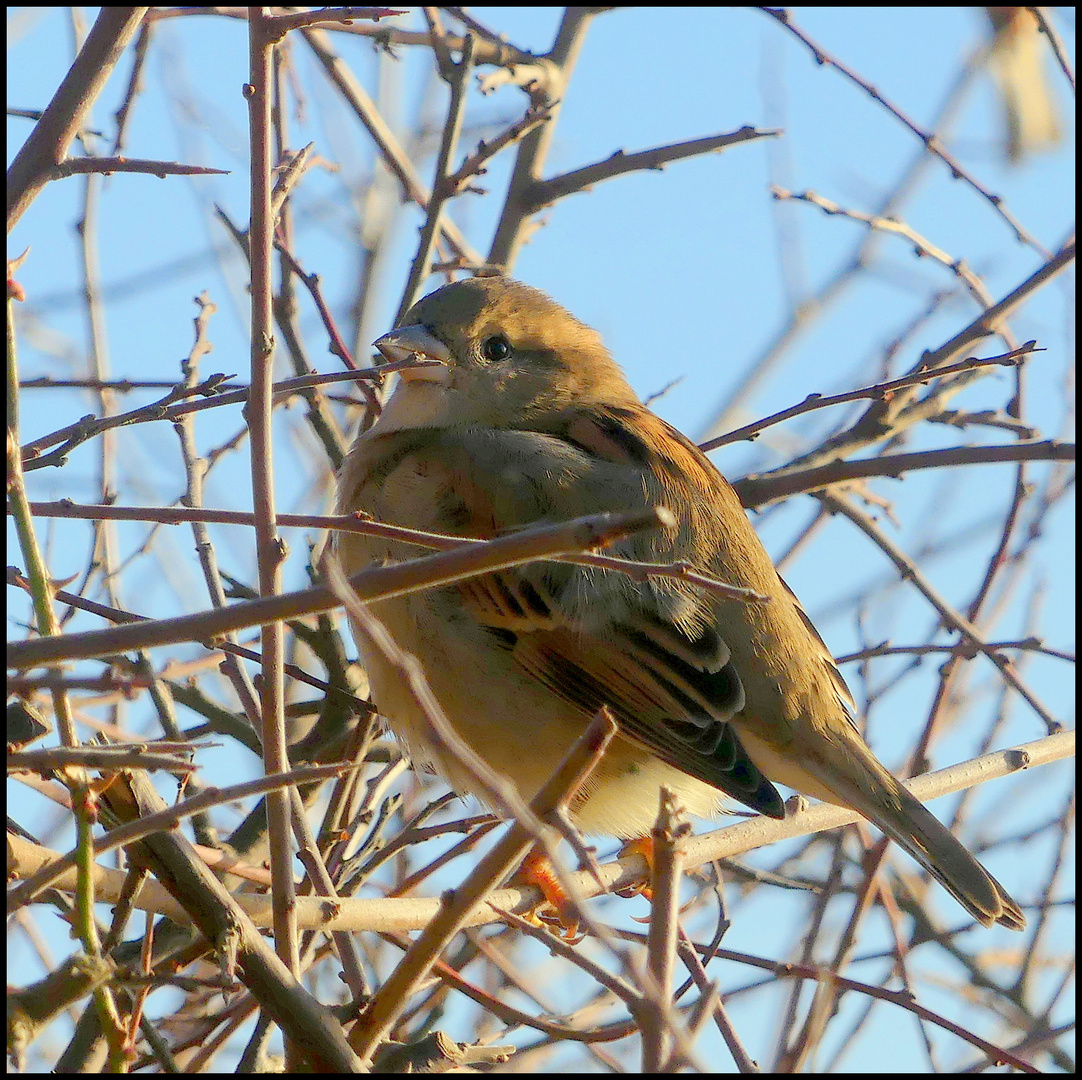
495,348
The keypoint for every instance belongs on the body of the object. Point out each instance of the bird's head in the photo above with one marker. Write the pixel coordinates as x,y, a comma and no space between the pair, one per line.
509,357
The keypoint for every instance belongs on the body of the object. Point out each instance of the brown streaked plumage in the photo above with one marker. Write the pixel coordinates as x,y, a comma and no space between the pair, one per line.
529,420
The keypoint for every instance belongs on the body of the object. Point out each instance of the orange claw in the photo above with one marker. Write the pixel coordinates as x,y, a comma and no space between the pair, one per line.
563,920
644,846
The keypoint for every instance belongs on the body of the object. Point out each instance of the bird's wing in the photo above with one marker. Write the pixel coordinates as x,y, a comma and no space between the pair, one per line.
671,694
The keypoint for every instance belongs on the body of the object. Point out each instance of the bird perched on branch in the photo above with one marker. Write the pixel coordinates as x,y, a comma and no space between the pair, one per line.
526,419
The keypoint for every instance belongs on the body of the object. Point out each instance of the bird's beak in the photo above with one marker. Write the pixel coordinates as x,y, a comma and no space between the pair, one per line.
416,341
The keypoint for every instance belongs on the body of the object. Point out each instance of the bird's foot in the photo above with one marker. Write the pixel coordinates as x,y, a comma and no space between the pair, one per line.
557,912
643,846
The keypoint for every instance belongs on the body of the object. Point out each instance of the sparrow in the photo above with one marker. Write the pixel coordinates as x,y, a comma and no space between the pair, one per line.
525,419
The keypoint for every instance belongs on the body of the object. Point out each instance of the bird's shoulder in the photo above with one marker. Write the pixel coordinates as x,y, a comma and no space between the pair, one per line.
480,481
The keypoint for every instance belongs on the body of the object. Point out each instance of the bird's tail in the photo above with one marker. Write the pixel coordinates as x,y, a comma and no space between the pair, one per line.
907,821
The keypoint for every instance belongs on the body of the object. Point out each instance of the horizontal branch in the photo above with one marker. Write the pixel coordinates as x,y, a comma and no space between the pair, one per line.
279,25
178,515
758,491
877,391
174,405
109,165
381,583
414,913
544,192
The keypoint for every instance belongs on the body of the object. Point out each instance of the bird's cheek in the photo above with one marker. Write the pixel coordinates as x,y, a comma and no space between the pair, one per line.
520,394
502,379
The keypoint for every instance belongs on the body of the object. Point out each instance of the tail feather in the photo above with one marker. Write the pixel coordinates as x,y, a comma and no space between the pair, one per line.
907,821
